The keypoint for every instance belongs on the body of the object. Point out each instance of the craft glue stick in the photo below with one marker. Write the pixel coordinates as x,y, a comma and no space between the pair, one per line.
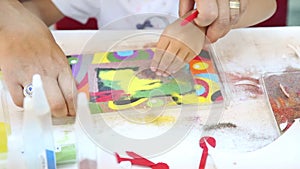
42,110
32,137
86,149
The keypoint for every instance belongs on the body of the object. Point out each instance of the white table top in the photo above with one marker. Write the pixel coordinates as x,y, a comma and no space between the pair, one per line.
247,52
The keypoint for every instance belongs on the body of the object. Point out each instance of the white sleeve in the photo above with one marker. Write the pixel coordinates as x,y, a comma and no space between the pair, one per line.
79,10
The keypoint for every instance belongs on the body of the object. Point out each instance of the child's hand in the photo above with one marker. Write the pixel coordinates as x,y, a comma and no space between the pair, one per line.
177,46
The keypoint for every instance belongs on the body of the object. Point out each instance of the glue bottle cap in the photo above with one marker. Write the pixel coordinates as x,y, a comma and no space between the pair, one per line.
40,102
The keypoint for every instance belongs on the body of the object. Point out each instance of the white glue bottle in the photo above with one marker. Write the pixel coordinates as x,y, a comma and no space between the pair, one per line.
37,129
42,109
32,137
4,120
86,149
15,158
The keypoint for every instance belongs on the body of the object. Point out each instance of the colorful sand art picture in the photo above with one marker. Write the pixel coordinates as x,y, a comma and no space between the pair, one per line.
122,80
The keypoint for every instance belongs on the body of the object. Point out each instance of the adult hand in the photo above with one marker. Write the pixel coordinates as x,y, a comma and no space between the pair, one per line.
26,48
217,15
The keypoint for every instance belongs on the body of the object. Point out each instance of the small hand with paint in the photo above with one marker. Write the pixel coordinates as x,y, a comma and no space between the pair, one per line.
27,48
179,43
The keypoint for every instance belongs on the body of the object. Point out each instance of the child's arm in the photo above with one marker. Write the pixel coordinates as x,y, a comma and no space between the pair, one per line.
180,44
44,9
